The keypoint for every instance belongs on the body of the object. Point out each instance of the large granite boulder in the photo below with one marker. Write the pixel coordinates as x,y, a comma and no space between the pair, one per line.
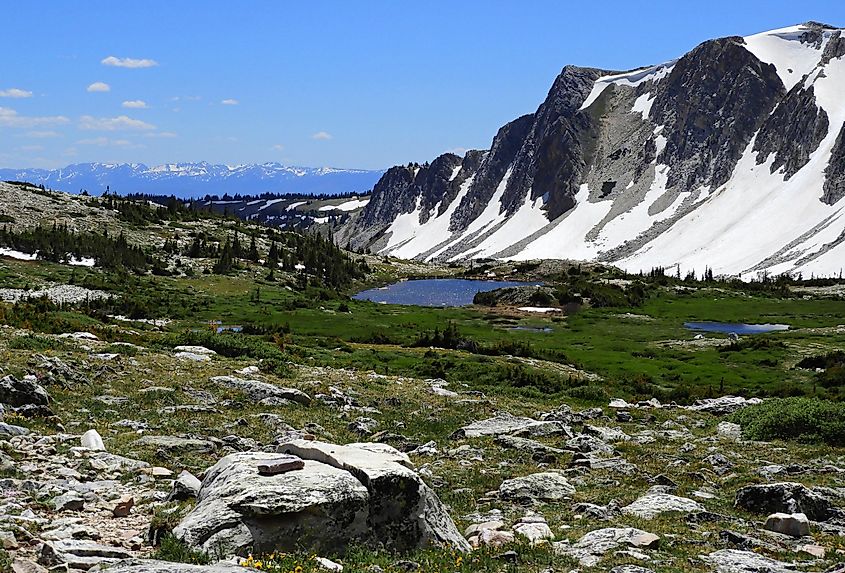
785,497
358,494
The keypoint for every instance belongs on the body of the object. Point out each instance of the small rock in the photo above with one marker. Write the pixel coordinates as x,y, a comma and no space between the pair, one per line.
729,430
328,564
534,531
186,486
160,472
280,465
477,528
630,569
124,506
92,440
816,551
7,540
495,538
26,566
363,426
543,486
792,524
69,501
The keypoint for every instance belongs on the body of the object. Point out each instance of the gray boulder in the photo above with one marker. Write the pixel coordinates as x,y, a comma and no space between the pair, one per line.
22,392
186,486
724,405
785,497
655,503
10,430
594,545
359,494
258,390
78,554
543,486
736,561
502,423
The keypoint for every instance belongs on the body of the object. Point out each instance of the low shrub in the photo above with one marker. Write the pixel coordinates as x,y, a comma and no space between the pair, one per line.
797,419
36,343
235,345
176,551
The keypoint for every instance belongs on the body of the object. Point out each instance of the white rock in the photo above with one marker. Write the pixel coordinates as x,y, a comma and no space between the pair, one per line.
792,524
92,440
328,564
195,350
193,356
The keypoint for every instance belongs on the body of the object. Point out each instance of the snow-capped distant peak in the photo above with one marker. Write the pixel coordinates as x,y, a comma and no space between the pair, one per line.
198,179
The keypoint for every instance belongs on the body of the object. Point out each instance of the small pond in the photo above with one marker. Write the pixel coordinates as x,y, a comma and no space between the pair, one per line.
545,329
738,328
434,292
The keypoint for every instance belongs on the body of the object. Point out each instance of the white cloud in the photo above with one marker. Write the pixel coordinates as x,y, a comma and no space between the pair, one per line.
120,122
230,101
93,141
322,136
135,104
99,87
10,118
161,134
15,93
46,134
31,148
105,142
278,147
128,62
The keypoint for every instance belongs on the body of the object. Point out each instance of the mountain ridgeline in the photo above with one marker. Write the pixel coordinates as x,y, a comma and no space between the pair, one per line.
731,157
193,180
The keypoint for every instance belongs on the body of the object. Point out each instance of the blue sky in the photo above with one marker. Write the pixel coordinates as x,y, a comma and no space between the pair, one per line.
363,84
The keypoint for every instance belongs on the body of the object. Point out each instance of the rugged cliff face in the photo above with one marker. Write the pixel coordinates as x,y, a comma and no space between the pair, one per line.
686,164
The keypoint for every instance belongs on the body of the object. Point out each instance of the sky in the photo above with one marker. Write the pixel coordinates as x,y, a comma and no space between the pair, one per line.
346,83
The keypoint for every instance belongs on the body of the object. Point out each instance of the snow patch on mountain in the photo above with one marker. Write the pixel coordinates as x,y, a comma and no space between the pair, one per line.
786,50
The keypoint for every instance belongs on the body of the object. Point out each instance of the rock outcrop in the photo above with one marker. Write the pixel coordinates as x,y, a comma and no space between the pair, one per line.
344,495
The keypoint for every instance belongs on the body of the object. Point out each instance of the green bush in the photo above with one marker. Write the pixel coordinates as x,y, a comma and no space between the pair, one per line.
175,551
36,343
589,393
798,419
234,345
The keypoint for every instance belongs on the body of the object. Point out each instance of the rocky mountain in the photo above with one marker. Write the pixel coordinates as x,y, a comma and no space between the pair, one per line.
189,180
731,157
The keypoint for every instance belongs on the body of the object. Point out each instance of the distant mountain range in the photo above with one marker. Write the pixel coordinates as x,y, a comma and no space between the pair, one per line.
187,180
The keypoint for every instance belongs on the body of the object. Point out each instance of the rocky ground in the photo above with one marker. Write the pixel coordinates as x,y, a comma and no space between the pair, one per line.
101,442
